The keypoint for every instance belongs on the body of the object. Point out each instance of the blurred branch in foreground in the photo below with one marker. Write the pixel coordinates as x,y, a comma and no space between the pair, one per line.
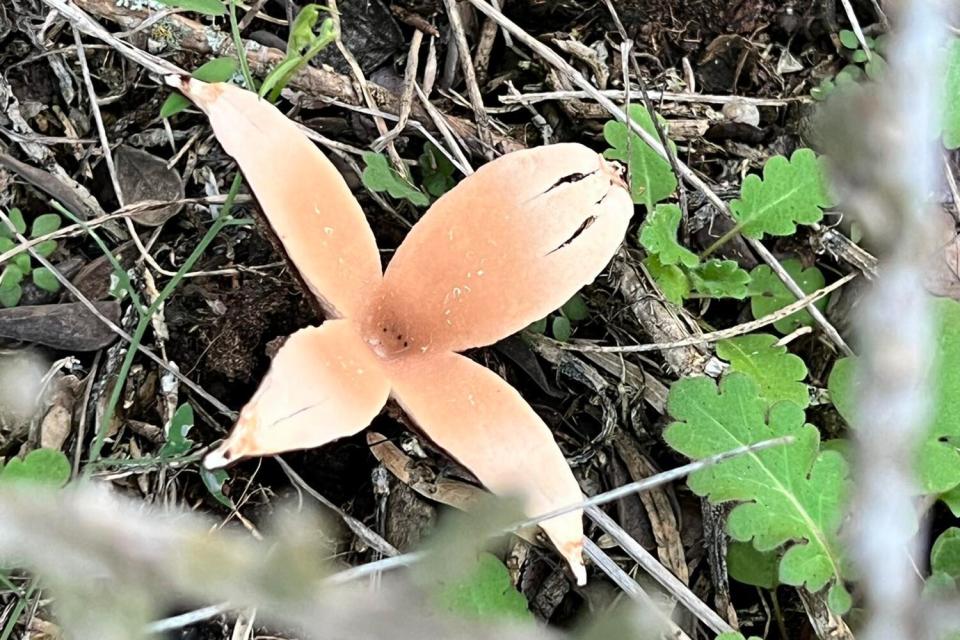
885,160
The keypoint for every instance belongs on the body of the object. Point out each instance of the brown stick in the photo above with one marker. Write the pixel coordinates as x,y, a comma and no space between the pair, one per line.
316,81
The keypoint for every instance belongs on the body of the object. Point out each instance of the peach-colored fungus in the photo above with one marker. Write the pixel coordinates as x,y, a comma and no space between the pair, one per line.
504,248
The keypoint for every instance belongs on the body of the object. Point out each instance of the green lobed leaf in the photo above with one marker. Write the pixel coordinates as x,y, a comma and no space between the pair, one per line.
939,460
42,466
945,555
437,171
659,236
177,442
486,592
789,496
749,566
791,192
951,498
951,97
720,279
768,293
44,278
379,176
651,177
777,373
671,279
735,635
216,70
206,7
6,244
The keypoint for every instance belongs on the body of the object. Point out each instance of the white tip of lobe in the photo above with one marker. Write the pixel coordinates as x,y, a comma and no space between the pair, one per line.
216,458
579,574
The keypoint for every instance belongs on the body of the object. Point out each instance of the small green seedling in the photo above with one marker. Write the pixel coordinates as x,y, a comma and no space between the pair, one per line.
679,272
216,70
21,266
436,171
303,44
564,321
379,176
860,66
178,445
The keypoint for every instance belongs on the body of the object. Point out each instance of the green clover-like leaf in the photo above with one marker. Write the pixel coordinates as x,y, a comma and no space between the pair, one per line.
575,309
789,496
213,481
777,372
659,236
945,555
437,171
720,279
791,192
216,70
44,278
177,442
486,592
46,248
951,96
938,465
562,330
16,217
671,279
44,224
42,466
379,176
768,293
749,566
651,177
849,39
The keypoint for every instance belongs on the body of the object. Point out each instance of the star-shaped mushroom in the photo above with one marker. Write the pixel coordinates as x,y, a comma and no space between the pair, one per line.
504,248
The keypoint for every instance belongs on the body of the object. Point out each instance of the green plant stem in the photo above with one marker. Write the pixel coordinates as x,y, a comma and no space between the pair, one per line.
241,50
318,45
778,613
722,240
18,610
118,269
144,323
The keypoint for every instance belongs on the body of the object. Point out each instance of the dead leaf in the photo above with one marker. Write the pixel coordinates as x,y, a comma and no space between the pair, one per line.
56,424
69,326
93,280
145,177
